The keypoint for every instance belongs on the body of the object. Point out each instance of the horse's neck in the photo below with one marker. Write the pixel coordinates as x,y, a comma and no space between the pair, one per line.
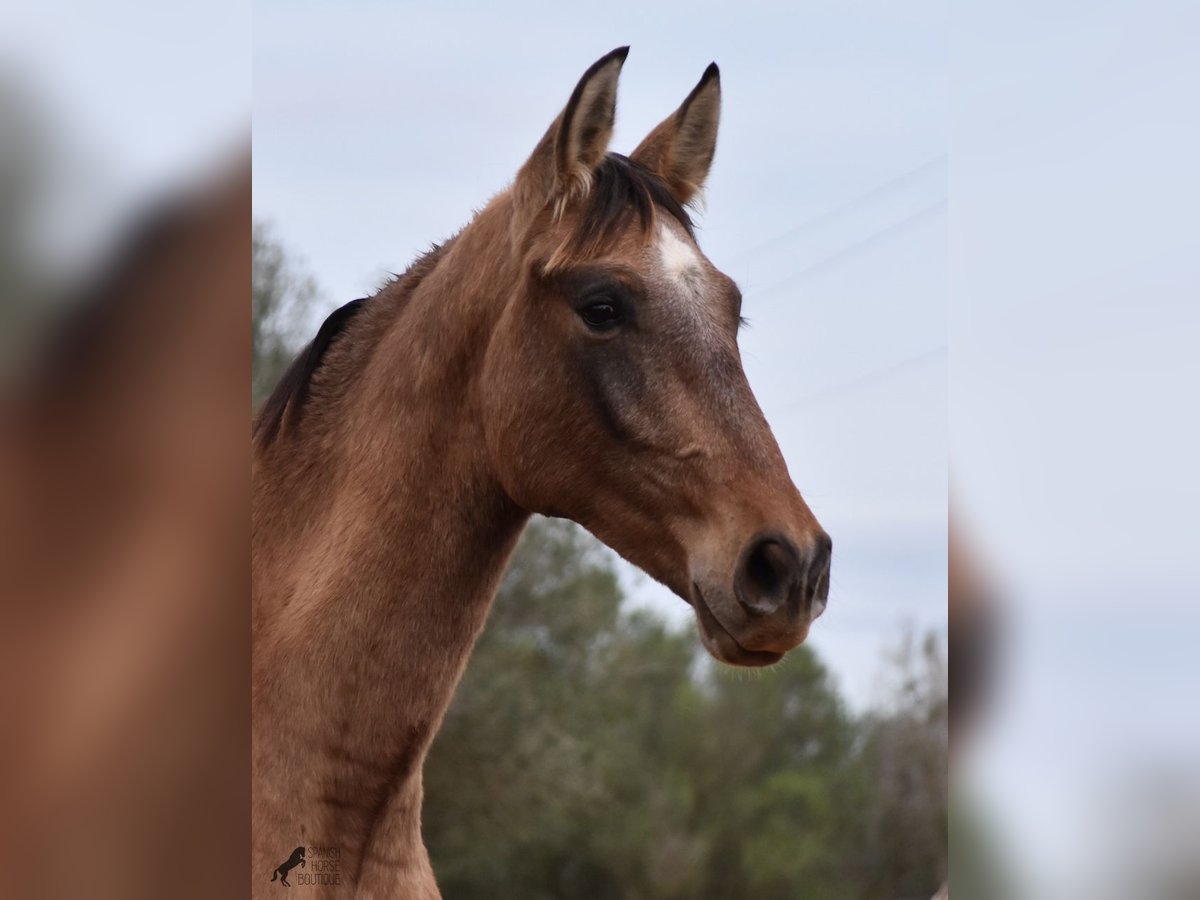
367,612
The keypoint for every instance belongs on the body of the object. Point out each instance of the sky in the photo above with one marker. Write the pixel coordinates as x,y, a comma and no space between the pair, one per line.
377,132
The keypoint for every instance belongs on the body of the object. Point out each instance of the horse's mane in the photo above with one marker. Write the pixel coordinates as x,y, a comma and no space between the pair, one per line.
292,389
290,394
620,188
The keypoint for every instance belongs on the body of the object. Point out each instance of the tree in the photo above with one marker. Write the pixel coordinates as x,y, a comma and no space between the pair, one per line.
281,298
906,758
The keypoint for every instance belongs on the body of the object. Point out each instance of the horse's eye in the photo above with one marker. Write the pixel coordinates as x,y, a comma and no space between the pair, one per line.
600,316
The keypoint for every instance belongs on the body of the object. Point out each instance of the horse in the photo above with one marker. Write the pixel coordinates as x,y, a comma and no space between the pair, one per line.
570,352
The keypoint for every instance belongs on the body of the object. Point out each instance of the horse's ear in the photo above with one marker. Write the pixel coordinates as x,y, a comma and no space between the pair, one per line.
680,150
562,165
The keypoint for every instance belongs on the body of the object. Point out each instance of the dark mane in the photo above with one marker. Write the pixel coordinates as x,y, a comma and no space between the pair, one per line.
621,188
287,400
292,389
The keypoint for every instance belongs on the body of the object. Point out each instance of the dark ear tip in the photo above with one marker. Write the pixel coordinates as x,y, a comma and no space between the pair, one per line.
617,56
620,53
711,73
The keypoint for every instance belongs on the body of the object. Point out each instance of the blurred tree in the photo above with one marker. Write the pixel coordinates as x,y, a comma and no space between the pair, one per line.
906,757
31,266
281,298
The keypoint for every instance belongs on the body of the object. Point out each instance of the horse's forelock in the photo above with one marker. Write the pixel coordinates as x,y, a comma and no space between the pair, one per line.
620,191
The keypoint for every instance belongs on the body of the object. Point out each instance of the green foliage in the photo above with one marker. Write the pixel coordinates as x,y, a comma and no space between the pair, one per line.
592,752
905,748
280,299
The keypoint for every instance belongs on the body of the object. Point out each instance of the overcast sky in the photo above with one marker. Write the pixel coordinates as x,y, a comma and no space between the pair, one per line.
378,130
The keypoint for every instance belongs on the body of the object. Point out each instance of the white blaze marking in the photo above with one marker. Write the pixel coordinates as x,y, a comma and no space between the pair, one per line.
683,268
680,262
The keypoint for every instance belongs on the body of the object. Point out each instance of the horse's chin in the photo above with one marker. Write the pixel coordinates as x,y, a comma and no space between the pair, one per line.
722,645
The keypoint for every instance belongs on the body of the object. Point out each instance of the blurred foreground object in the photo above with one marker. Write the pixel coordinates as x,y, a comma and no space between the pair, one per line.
123,526
973,616
972,613
1074,439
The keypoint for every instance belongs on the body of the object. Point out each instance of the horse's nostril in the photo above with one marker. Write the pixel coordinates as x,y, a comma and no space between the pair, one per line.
773,576
817,574
768,574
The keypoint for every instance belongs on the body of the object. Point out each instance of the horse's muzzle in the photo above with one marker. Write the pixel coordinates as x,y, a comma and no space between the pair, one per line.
777,591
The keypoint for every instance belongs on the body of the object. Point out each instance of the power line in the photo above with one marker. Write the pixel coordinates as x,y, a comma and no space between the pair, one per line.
841,209
878,375
851,250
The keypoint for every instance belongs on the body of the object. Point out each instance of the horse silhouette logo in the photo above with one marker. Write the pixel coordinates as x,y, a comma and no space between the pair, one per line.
296,859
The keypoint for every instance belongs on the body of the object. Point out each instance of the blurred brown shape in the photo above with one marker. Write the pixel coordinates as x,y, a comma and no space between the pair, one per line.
972,618
972,636
124,656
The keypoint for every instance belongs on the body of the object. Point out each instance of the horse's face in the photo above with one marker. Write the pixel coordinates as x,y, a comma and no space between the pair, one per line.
613,388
